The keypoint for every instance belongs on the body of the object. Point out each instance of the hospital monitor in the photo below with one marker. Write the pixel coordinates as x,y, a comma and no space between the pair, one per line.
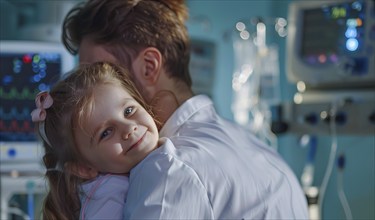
331,44
26,68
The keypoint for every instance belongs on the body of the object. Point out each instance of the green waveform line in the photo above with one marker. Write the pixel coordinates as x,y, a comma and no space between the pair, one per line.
24,94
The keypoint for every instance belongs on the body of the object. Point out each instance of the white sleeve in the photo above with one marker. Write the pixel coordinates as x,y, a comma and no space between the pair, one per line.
166,188
108,200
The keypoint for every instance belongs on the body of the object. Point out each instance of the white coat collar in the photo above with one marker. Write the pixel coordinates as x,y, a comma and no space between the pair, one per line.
184,113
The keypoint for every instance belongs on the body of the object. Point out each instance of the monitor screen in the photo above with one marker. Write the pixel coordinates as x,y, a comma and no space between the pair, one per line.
23,76
330,44
26,68
329,29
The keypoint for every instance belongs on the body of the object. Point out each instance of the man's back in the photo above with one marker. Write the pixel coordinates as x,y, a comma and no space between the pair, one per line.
243,177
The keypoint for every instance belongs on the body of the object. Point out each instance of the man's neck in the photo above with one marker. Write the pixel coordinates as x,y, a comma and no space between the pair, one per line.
166,102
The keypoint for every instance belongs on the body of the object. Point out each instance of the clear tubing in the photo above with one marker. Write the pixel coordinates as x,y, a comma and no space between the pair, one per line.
331,160
342,196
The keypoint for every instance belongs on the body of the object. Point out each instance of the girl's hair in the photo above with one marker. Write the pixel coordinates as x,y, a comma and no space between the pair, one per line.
125,27
72,105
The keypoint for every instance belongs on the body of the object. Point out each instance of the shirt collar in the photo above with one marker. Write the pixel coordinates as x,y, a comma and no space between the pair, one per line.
183,113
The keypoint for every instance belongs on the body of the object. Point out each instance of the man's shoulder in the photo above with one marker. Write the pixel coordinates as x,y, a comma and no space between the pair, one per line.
161,159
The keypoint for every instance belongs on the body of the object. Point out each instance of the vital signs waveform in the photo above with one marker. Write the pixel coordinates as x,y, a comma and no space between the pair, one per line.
16,126
13,113
15,136
15,94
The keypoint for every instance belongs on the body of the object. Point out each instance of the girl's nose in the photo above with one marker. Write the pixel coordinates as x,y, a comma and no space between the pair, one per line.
129,131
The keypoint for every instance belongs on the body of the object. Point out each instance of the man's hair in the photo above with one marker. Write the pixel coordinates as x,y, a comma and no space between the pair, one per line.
124,27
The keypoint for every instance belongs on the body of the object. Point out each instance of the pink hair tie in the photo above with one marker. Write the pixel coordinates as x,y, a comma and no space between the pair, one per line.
43,101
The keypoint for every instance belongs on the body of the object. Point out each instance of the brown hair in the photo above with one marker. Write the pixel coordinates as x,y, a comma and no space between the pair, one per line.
72,100
127,26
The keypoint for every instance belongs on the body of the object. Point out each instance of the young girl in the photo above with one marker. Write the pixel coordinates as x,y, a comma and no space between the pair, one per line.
95,127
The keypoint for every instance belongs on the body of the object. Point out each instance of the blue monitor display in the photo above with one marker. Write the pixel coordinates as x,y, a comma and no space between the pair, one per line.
26,68
23,75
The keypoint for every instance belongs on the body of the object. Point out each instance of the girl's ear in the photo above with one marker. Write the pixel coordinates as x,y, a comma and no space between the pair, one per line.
81,170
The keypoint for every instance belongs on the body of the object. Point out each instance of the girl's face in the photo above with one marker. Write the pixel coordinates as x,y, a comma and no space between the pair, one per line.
118,134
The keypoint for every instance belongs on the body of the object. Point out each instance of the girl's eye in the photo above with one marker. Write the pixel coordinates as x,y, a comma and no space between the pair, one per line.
128,111
105,133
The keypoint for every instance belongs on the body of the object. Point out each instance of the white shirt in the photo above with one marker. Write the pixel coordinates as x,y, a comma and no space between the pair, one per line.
217,170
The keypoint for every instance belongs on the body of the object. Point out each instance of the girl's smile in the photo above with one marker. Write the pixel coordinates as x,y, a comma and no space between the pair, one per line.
117,129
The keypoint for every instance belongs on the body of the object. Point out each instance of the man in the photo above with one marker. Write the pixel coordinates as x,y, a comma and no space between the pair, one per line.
234,175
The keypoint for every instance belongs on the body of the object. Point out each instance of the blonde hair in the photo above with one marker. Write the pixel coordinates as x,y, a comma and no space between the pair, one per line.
72,101
125,27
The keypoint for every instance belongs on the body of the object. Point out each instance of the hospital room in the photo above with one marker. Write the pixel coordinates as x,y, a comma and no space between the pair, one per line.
284,94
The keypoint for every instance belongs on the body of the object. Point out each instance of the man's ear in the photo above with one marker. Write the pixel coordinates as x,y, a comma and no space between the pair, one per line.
152,61
81,170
